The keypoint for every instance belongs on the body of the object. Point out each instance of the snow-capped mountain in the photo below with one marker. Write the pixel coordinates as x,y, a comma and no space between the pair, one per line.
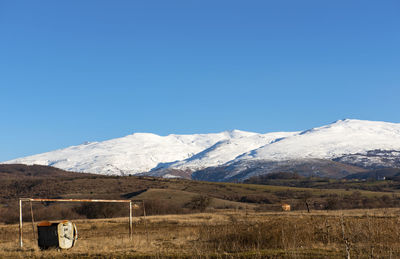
139,152
237,153
226,150
331,141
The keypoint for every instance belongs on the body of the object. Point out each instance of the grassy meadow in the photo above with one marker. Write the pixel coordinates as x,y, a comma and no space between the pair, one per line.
195,219
226,234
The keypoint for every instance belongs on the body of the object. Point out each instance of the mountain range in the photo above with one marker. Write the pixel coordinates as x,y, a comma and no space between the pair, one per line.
335,150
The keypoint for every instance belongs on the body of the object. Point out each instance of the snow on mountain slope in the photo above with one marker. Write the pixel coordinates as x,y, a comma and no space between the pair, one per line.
344,140
226,150
132,154
331,141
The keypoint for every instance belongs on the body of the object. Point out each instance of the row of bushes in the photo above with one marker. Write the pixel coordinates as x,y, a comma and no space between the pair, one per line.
52,211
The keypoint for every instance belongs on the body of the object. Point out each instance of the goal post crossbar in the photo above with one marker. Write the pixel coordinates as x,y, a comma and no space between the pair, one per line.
75,200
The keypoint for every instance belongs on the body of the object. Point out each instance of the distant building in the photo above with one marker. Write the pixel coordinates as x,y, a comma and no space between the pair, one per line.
285,207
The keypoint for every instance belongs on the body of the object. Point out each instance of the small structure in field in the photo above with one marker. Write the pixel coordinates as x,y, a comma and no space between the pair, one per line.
57,234
63,234
285,207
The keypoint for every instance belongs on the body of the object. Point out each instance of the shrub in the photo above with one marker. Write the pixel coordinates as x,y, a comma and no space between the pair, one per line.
199,203
159,207
99,210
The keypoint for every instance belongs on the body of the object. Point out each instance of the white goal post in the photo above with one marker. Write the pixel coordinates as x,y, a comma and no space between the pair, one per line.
131,202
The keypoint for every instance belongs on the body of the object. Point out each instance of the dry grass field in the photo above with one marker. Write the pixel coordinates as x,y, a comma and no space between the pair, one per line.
238,220
226,234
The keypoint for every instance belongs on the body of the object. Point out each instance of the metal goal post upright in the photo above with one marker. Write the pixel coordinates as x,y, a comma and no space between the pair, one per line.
73,200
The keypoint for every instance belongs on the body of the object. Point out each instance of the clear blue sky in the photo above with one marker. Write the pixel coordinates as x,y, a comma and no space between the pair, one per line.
75,71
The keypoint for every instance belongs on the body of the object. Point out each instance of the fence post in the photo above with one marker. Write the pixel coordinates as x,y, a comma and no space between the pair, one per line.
130,220
20,223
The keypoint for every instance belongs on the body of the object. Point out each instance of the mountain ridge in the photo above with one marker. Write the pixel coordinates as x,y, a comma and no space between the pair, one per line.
346,141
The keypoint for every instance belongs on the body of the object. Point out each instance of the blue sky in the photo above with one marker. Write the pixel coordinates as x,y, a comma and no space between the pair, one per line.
75,71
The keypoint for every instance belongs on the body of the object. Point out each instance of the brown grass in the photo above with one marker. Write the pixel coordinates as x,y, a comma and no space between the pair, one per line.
226,234
165,196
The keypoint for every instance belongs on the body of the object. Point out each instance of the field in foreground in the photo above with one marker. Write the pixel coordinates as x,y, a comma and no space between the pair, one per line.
227,234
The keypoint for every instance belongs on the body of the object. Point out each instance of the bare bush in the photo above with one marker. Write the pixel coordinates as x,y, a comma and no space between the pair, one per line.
100,210
200,203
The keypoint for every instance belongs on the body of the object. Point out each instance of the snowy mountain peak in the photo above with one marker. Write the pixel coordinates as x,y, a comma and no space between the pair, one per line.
240,133
135,153
148,152
333,140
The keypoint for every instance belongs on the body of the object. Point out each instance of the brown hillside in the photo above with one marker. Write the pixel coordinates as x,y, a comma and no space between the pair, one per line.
164,196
